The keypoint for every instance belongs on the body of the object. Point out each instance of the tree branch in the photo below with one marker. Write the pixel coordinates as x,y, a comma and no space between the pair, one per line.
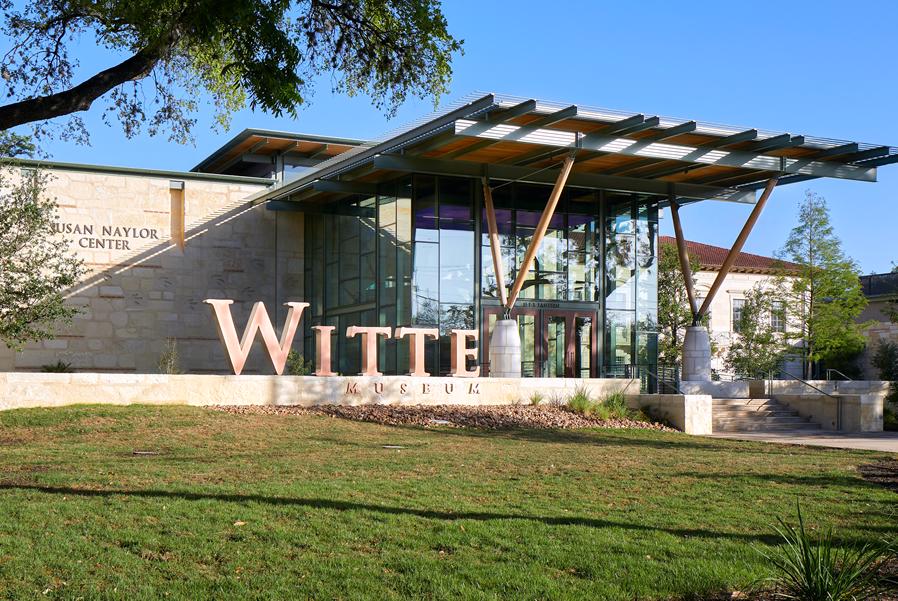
80,97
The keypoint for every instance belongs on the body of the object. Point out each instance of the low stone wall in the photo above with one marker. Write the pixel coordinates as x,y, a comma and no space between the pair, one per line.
844,413
21,389
831,387
690,413
717,390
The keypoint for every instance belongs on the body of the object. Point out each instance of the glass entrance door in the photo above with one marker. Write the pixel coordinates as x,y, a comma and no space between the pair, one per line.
555,343
570,343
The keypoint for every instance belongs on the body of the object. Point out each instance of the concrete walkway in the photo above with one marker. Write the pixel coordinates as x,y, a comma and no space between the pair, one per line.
870,441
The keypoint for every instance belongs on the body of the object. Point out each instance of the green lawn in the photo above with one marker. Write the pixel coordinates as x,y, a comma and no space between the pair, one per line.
315,507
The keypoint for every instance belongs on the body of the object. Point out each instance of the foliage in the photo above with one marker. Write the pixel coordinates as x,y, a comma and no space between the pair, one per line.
581,402
822,571
60,367
235,52
36,267
536,398
886,361
170,359
757,348
824,293
674,312
297,364
613,406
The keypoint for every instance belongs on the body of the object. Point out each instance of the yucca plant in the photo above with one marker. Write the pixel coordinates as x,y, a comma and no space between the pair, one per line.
822,571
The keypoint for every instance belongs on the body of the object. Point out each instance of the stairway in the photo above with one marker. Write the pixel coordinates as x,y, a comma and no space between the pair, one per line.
756,415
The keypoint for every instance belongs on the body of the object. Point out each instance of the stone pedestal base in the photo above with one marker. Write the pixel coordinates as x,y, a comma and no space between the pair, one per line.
505,350
696,354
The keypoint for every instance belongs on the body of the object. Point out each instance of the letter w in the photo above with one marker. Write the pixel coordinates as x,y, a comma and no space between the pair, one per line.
258,320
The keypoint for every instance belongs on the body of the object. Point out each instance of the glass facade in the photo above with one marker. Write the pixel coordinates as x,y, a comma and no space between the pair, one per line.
418,254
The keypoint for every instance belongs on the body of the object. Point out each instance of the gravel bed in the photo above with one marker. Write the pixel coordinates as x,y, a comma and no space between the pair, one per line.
490,417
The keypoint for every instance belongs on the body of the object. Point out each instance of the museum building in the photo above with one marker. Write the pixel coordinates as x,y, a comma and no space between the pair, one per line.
495,207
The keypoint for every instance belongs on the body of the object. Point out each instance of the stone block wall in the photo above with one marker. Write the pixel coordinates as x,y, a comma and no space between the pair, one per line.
143,288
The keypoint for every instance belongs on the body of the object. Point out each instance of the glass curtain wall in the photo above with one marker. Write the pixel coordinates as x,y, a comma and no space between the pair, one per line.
631,284
409,256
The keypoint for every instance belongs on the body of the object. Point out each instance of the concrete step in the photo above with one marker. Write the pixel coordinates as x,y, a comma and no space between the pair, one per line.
760,427
742,402
753,415
762,412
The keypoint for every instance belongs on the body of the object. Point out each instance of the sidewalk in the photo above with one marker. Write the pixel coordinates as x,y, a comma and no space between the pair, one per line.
870,441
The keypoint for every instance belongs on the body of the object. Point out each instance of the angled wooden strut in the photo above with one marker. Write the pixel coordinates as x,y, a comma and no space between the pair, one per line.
683,253
495,249
540,232
735,250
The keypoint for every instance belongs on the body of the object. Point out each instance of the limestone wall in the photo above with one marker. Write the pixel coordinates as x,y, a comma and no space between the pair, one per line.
21,390
142,287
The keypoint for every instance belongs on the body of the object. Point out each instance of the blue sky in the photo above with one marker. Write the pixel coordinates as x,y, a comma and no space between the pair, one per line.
822,68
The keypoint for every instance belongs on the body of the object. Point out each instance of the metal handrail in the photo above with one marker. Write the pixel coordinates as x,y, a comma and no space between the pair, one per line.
838,399
671,383
830,370
796,378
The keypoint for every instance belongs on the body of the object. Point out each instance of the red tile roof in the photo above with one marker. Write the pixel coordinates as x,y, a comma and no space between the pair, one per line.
711,258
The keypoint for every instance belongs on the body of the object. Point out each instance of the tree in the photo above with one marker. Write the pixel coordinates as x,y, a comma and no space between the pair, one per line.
674,312
35,267
757,347
824,294
261,52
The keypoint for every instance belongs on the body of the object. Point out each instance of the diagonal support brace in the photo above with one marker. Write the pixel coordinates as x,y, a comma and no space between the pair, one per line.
735,250
495,250
541,228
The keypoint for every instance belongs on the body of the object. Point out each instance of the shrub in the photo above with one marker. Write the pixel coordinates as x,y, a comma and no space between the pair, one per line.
821,571
536,398
581,402
60,367
889,418
886,361
170,359
297,365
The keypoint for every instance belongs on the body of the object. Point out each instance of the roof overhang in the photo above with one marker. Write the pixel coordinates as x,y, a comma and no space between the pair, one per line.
519,139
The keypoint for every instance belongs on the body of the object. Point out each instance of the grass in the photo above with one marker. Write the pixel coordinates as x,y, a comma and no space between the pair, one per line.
312,507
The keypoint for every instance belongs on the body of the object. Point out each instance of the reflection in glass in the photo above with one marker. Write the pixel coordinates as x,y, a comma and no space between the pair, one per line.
556,347
619,337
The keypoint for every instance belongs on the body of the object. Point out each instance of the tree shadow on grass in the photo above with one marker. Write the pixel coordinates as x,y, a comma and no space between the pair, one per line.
430,514
625,438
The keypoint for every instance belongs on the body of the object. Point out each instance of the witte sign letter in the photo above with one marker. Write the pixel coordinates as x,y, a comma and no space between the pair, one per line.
238,351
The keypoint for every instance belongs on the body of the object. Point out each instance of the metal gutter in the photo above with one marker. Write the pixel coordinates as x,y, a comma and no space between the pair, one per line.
160,173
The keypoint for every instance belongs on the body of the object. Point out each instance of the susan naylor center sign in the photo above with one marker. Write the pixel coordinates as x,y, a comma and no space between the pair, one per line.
238,349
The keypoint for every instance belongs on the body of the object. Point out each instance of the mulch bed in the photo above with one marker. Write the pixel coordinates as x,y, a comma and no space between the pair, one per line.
884,473
490,417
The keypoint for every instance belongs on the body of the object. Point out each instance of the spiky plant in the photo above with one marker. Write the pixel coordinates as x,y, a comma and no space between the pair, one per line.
823,571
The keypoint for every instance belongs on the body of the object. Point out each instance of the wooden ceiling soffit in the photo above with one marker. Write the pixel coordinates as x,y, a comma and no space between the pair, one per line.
547,176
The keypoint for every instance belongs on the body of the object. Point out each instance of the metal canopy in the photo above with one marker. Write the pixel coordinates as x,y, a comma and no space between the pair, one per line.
526,139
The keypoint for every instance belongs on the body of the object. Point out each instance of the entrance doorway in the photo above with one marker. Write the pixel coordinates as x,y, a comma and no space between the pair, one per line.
555,343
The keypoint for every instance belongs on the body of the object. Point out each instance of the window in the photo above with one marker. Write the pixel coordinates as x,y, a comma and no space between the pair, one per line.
738,305
778,316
